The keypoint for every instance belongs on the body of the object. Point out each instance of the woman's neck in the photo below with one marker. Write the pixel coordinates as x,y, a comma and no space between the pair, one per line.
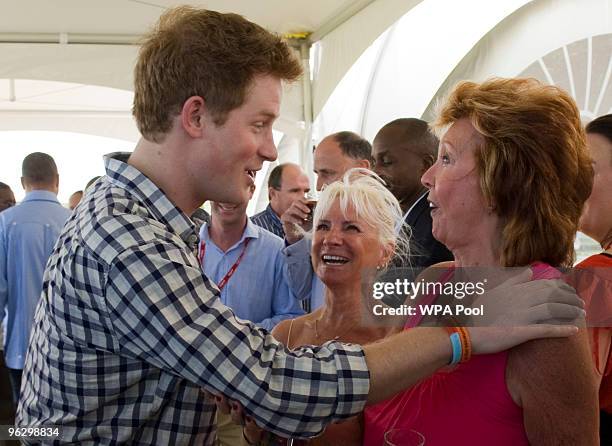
480,246
481,251
475,256
342,306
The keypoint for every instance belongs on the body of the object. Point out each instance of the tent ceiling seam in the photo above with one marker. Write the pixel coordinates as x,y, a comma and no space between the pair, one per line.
339,18
141,2
71,38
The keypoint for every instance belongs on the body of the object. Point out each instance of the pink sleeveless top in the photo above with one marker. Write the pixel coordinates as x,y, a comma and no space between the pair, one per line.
469,404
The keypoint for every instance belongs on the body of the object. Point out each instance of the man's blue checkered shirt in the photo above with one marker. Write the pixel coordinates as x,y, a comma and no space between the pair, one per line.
128,331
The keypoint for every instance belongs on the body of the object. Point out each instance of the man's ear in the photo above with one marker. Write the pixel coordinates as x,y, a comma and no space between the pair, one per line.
363,163
193,116
271,193
23,184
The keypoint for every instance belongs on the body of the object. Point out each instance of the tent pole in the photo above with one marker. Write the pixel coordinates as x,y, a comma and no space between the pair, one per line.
12,94
305,149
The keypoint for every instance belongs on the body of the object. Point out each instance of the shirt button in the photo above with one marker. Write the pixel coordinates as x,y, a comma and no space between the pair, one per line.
192,240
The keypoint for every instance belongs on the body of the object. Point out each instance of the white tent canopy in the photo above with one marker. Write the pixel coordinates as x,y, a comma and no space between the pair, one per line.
68,67
67,64
438,43
562,42
94,43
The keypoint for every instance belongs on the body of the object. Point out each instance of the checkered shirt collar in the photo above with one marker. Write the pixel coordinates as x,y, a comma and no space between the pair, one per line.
159,205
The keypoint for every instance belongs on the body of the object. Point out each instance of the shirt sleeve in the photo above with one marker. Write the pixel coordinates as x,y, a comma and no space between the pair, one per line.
298,268
167,313
284,304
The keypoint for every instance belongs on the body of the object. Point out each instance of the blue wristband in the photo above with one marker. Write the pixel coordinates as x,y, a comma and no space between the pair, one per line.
457,350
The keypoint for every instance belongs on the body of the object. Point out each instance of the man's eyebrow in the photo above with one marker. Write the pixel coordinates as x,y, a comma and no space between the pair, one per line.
269,115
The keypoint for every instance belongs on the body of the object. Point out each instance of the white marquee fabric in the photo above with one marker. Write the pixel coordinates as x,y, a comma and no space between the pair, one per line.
52,59
92,43
527,43
419,59
401,72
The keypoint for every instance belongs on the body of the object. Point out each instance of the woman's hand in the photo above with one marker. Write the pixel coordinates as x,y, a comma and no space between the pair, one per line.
251,432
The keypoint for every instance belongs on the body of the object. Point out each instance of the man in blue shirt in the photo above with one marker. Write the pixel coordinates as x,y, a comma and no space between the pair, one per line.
246,263
286,184
28,233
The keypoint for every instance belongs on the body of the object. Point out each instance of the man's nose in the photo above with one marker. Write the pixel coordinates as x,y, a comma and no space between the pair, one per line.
268,149
320,184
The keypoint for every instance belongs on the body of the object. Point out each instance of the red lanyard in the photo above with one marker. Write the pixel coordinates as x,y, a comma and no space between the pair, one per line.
232,270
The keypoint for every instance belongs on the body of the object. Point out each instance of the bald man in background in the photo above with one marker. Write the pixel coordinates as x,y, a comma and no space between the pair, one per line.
286,184
75,199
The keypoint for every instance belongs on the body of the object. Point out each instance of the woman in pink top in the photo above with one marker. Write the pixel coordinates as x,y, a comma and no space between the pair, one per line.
507,190
354,237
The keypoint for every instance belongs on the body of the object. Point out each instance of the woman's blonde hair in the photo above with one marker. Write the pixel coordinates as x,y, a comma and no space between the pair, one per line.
366,193
534,166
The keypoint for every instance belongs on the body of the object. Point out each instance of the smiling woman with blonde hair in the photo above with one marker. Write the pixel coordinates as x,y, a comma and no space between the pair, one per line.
354,237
